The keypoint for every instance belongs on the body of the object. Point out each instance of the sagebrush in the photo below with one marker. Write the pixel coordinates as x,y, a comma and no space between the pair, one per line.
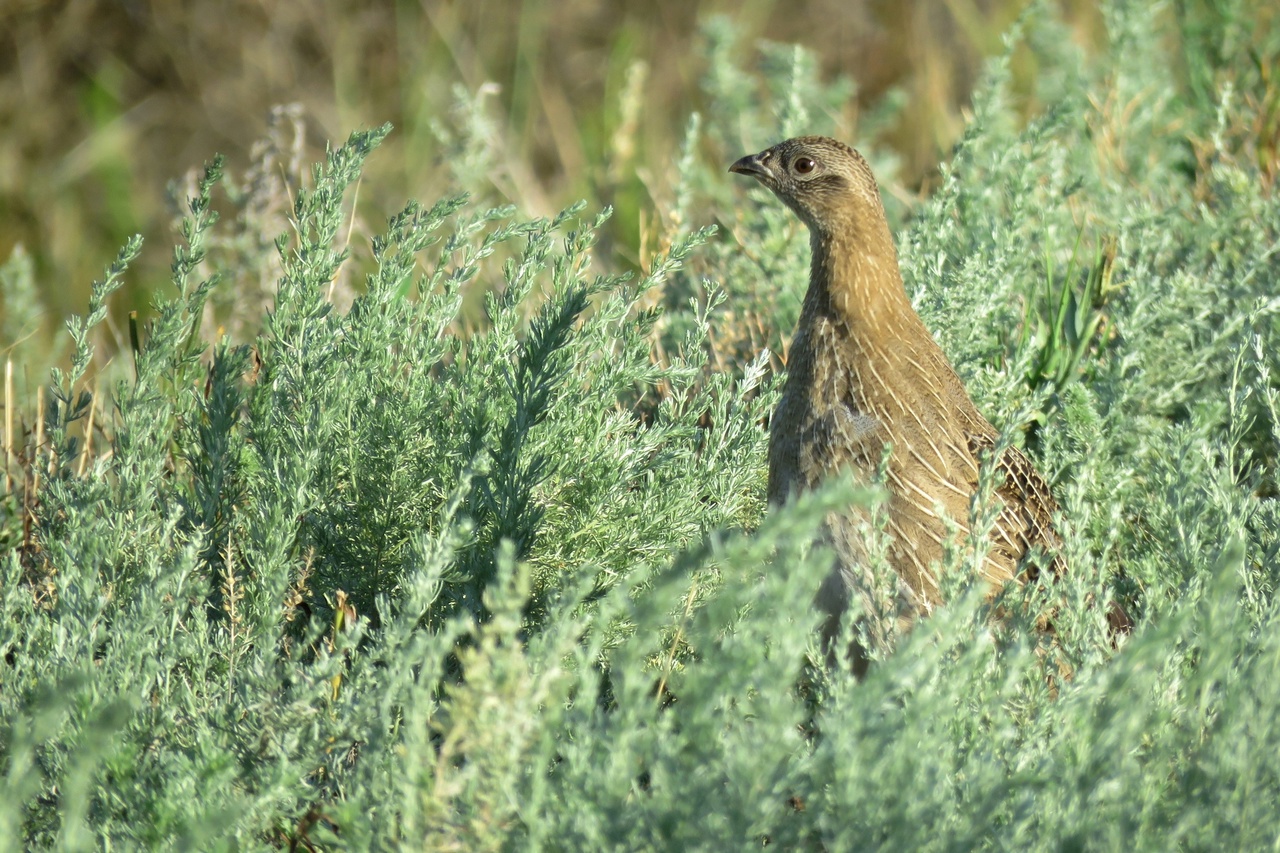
483,560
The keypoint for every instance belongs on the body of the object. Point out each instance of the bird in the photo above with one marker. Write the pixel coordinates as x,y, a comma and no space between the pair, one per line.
869,389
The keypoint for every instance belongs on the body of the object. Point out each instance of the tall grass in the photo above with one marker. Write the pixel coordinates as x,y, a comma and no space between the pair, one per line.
462,543
106,102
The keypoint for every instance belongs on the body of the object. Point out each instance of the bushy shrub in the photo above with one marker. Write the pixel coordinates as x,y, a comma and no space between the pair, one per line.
413,575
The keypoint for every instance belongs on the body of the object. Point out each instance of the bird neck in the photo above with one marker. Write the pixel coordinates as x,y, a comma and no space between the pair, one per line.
854,283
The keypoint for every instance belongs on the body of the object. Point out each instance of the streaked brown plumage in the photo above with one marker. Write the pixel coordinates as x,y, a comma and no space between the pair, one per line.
863,372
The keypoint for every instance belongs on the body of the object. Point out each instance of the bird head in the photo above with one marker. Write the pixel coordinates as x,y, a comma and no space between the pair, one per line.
825,182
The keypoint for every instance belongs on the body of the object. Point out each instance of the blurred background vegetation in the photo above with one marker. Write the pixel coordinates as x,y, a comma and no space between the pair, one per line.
104,104
108,110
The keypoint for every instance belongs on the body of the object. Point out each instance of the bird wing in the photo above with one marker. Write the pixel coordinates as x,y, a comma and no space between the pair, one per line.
1026,518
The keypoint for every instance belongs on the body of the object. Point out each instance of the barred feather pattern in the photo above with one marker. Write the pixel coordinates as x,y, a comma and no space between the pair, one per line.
863,372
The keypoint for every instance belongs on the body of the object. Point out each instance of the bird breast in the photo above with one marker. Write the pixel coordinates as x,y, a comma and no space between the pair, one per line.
821,425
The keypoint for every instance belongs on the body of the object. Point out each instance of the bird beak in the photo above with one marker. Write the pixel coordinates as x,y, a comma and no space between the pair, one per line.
753,165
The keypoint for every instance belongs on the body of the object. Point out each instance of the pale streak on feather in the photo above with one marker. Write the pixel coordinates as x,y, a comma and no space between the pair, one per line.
865,352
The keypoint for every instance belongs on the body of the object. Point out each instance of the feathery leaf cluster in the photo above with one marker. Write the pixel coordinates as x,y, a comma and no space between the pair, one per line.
406,574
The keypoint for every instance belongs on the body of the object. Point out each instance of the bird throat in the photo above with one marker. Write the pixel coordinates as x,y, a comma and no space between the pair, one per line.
859,343
858,288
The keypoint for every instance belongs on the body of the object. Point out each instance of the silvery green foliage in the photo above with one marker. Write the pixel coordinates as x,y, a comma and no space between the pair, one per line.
417,575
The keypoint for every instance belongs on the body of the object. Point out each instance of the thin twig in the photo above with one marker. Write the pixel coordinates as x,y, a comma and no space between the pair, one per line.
675,641
8,426
35,451
88,435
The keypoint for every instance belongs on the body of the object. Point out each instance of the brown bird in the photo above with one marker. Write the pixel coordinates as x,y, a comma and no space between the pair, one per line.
864,372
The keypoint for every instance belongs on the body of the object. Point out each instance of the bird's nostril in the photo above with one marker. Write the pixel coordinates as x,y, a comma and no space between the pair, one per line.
754,165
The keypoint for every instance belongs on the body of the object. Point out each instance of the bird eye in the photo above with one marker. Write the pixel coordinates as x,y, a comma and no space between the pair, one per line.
804,165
